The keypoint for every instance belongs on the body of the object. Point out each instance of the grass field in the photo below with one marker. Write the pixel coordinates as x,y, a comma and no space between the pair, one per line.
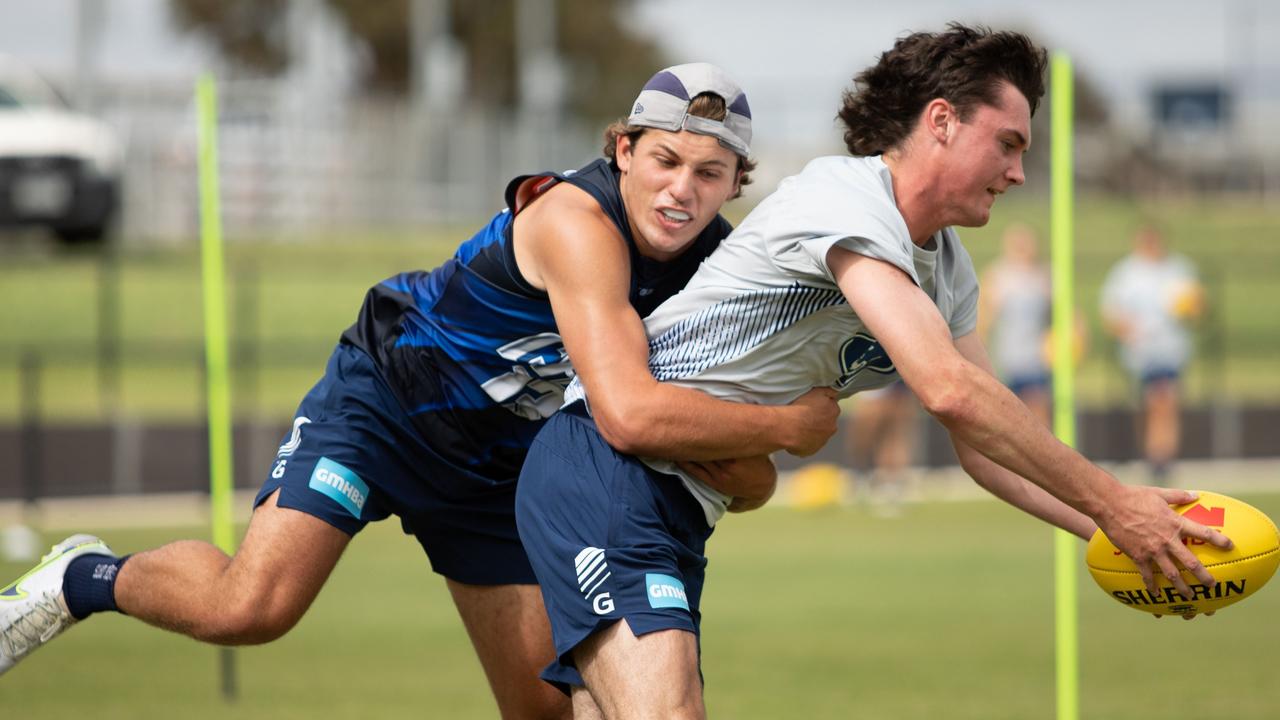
944,613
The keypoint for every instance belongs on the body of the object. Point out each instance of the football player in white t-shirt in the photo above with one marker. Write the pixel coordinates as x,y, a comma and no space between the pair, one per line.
1148,299
1014,315
849,276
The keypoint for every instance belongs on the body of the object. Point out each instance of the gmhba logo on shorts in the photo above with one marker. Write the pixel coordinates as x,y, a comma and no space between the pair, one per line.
665,591
341,484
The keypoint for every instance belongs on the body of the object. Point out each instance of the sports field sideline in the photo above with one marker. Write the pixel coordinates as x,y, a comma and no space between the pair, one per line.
943,612
938,485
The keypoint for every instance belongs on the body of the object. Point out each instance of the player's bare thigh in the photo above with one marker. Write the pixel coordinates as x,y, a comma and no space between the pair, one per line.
511,634
653,675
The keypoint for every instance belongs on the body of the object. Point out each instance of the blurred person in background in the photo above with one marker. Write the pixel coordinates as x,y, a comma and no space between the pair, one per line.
880,442
1148,301
1014,311
429,403
850,275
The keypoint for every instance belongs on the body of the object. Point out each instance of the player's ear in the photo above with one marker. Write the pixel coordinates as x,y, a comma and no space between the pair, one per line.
623,148
939,118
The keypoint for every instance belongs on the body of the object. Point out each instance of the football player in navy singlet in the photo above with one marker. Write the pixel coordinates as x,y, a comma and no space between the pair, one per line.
429,403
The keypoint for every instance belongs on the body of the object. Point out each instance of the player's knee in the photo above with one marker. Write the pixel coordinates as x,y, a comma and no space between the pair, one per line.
253,618
263,626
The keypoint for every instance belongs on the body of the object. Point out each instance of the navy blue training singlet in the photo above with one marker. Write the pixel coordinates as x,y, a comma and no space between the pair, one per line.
471,349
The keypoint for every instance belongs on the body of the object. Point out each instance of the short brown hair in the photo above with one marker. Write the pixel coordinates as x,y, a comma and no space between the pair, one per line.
706,105
963,66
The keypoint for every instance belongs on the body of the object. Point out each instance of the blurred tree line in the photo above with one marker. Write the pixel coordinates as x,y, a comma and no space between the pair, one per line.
605,60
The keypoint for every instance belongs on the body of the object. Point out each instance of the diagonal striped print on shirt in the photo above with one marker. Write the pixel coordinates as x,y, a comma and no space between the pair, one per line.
731,327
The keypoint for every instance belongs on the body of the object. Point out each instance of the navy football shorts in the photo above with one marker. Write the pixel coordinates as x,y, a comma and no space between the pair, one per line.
1155,375
354,457
1028,382
609,539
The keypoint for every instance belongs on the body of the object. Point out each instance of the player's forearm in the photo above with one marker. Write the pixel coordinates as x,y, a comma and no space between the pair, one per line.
983,414
677,423
1026,496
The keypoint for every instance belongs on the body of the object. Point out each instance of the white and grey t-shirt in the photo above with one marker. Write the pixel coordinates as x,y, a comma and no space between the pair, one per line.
763,321
1024,305
1144,291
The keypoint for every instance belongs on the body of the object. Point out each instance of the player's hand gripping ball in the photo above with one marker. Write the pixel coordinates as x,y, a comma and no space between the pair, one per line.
1238,572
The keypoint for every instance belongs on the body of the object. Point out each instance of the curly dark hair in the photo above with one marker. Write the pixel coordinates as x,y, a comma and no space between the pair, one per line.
963,65
707,105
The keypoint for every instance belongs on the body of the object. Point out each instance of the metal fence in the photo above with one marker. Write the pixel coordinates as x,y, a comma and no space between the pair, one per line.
292,163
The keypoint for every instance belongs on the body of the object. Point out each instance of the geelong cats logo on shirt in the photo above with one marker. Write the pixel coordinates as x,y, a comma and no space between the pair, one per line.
862,352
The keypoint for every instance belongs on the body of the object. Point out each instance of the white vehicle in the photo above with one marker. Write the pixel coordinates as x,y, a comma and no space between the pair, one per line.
58,169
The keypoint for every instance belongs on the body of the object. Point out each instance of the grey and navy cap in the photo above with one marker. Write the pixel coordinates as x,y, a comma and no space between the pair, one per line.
664,104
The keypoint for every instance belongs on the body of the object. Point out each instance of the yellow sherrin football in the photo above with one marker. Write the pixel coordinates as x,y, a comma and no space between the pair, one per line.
1238,572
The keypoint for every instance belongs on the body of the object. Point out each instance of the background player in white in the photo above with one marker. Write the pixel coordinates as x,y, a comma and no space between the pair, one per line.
1148,299
1014,315
850,275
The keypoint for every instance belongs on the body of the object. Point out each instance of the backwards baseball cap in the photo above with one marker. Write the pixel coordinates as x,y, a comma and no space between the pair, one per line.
664,104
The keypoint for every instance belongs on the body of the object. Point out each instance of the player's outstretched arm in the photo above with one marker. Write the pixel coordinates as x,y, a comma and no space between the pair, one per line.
567,246
985,415
1011,488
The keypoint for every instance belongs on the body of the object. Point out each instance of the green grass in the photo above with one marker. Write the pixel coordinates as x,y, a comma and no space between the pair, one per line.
943,613
289,301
